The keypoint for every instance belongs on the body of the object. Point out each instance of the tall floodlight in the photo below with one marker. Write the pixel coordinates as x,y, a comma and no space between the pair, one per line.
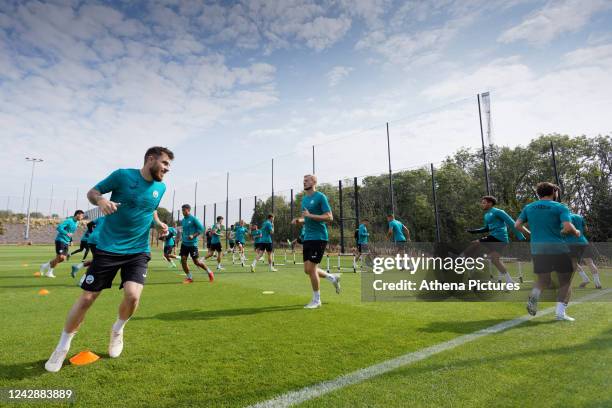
34,161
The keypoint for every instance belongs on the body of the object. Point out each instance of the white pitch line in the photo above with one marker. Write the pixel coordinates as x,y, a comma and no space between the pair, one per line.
317,390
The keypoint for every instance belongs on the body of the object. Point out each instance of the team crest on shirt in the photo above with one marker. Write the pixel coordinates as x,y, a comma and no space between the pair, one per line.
89,279
155,194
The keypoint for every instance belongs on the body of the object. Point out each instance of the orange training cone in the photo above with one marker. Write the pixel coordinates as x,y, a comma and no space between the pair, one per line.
84,358
43,292
37,274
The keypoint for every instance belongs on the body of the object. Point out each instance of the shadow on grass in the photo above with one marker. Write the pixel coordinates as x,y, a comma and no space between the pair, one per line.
473,326
196,314
24,370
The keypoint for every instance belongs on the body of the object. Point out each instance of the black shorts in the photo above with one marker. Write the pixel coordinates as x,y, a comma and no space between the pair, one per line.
313,251
492,244
363,248
400,246
84,245
168,249
208,244
264,246
547,263
580,251
189,251
105,266
92,249
215,247
61,248
232,244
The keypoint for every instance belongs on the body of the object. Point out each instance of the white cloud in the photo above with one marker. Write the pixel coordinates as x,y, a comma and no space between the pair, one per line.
597,55
337,74
554,19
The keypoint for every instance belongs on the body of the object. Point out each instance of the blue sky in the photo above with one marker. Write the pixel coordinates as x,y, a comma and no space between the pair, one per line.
88,86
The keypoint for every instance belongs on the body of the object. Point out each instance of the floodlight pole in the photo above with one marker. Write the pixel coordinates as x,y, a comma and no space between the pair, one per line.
51,203
172,212
272,186
34,161
484,152
313,160
226,208
390,172
195,200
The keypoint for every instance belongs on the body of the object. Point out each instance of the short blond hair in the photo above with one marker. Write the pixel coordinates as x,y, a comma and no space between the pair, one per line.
314,178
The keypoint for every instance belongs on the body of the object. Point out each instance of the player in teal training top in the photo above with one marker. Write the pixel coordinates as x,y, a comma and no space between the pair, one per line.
62,242
496,224
123,245
265,242
256,236
217,232
316,212
92,243
549,250
84,245
240,230
581,252
169,244
191,229
396,232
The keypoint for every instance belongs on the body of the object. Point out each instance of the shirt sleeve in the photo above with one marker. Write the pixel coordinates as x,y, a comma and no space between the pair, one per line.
198,224
510,223
109,183
564,213
62,227
523,215
325,208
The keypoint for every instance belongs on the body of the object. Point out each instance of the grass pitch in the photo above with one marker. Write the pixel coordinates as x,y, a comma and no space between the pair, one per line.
229,344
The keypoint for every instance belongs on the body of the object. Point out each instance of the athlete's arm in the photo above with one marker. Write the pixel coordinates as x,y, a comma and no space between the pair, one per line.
569,229
479,230
106,206
519,225
325,217
507,219
161,225
407,232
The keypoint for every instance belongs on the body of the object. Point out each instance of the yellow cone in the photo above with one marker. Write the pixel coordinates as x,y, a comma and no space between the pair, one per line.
43,292
37,274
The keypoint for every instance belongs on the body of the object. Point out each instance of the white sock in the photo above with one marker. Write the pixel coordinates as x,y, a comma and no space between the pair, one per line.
79,265
50,270
536,292
316,296
189,276
119,325
330,278
561,309
254,262
47,265
583,275
65,340
596,279
508,278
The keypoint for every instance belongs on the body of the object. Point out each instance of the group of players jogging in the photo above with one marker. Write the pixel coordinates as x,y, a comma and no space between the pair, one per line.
119,240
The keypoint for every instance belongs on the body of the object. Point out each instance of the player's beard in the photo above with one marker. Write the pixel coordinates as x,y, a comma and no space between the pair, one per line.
156,172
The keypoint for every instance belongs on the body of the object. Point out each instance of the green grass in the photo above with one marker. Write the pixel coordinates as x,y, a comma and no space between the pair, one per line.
227,344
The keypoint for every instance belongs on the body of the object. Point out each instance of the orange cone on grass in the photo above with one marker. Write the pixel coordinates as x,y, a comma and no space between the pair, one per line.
43,292
84,358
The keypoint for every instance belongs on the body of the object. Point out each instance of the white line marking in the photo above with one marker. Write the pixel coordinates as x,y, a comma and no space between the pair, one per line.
317,390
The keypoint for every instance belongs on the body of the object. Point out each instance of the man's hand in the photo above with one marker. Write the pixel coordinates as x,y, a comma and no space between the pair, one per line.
106,206
190,237
163,227
305,213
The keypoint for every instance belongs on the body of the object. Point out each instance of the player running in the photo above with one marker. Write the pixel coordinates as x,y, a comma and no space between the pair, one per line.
396,232
315,213
216,232
580,250
256,235
192,228
84,246
123,245
62,242
92,242
265,242
231,239
240,230
548,248
169,244
496,223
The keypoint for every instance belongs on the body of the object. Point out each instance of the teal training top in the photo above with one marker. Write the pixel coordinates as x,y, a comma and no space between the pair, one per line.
497,222
170,237
240,232
578,222
266,232
191,225
126,231
363,234
93,237
544,218
256,235
217,229
68,226
316,204
398,231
